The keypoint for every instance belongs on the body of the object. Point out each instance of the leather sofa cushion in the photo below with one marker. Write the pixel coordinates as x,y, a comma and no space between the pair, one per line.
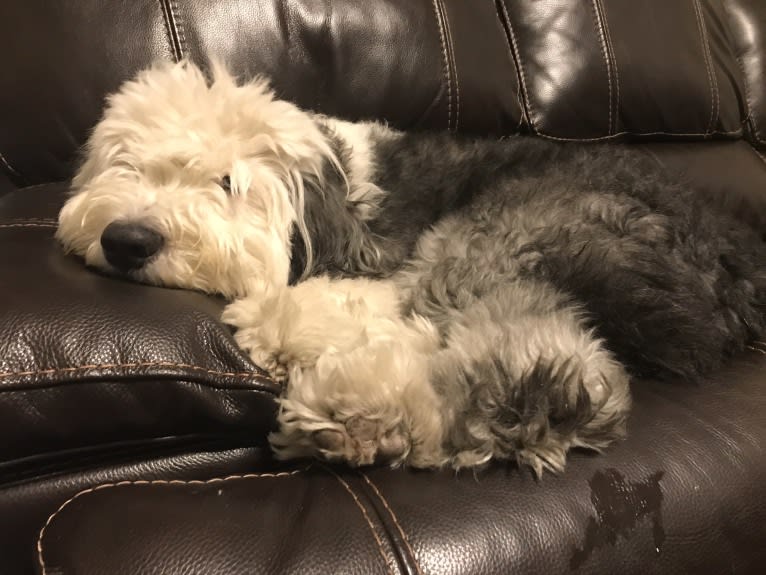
683,494
90,364
573,70
607,67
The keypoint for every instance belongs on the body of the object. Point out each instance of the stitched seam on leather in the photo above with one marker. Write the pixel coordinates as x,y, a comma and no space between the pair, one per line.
366,516
613,59
170,28
437,13
513,61
746,83
32,220
179,23
607,61
713,74
737,132
9,167
453,61
527,108
93,367
395,520
706,58
103,486
30,225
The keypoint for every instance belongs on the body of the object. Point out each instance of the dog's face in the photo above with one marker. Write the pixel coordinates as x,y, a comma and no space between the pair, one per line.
193,184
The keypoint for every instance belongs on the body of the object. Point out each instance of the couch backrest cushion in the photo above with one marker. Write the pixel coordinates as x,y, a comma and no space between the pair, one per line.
593,69
574,70
747,19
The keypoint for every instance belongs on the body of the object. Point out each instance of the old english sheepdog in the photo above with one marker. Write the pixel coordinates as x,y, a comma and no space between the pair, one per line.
427,299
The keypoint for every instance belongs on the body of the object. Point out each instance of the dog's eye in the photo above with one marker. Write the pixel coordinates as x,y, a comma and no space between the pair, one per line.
225,183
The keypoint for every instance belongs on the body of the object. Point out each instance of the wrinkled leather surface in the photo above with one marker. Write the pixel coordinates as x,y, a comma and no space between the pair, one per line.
657,503
87,361
25,504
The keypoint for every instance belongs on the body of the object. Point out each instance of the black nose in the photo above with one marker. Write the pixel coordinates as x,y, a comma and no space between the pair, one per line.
129,245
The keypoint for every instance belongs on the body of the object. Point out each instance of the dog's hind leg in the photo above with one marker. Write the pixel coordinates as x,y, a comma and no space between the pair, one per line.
523,378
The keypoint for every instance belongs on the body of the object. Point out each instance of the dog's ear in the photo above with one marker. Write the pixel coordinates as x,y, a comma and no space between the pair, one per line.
341,242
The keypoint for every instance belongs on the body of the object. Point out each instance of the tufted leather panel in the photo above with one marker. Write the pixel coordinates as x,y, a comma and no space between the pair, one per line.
683,495
747,19
87,362
599,68
419,64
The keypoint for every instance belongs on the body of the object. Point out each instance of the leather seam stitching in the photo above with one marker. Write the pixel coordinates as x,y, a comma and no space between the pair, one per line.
607,61
446,66
94,367
48,225
629,133
395,520
513,61
613,59
179,24
708,64
527,109
32,220
366,516
103,486
453,61
170,28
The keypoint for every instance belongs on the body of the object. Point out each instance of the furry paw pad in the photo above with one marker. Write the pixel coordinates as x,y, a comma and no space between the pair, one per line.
277,366
357,441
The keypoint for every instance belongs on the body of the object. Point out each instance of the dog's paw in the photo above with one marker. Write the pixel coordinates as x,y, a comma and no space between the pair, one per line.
276,364
374,405
358,440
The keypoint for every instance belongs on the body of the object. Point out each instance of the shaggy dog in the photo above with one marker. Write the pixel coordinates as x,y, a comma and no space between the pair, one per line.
428,299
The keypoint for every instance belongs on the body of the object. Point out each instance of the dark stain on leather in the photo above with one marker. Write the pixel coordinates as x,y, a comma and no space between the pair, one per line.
621,506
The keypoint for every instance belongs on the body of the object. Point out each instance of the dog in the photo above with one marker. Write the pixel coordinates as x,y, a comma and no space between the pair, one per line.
427,299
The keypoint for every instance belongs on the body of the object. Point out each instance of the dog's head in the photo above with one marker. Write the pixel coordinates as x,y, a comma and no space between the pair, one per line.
194,184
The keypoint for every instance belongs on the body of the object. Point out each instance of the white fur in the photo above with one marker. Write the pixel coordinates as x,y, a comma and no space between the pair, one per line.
165,142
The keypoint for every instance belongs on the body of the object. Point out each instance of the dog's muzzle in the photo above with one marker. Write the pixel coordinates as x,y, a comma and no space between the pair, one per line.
129,245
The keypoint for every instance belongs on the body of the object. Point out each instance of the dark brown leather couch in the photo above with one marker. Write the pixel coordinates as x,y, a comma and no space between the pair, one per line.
131,427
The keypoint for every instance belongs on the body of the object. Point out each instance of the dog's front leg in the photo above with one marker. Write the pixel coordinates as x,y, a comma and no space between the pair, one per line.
291,327
357,376
371,404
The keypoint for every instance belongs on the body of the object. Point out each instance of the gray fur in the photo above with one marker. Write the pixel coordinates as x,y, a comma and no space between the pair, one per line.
526,254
